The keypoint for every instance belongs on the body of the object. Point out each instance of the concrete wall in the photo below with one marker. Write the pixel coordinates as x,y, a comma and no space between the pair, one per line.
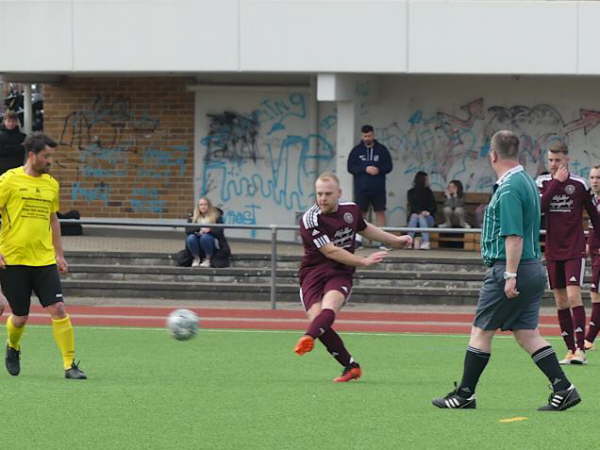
126,145
441,125
385,36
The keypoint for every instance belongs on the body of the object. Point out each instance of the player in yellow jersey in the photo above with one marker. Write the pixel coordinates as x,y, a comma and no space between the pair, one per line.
31,253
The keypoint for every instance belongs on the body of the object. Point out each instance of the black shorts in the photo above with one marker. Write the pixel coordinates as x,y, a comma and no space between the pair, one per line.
495,310
18,283
365,199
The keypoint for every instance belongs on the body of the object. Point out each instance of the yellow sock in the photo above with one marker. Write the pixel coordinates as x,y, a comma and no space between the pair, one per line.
14,333
63,333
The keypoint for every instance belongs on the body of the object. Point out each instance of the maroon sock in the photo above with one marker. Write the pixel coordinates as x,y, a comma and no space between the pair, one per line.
594,323
579,325
321,323
334,345
566,327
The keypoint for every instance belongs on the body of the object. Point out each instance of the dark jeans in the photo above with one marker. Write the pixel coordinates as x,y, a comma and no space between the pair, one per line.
206,242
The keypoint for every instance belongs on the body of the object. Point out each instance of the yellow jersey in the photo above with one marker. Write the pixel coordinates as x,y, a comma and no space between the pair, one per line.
26,205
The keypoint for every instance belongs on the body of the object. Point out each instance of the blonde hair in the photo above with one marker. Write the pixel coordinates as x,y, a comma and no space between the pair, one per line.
329,176
211,215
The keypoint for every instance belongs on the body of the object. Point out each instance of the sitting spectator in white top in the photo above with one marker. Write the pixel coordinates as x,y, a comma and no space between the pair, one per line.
204,241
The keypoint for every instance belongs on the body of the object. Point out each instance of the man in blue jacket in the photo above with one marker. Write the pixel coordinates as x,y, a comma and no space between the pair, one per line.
370,162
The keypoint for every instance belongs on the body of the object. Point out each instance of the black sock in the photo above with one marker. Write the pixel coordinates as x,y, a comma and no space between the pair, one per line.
475,362
545,359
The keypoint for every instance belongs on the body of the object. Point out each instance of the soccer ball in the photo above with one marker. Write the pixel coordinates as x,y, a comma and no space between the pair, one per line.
182,324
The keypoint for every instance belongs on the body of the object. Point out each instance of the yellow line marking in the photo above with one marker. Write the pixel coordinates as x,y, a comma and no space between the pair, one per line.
512,419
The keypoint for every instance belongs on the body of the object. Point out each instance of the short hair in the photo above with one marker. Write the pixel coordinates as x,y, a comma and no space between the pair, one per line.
329,176
558,147
11,115
37,142
506,144
367,129
595,167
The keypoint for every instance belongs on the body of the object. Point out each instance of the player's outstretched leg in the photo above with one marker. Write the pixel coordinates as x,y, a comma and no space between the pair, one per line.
64,335
317,327
336,348
13,347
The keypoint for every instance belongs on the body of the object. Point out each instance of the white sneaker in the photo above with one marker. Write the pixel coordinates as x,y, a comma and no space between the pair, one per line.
425,246
196,262
385,248
205,263
466,225
445,225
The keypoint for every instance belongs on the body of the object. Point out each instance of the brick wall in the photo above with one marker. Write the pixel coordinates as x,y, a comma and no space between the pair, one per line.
126,145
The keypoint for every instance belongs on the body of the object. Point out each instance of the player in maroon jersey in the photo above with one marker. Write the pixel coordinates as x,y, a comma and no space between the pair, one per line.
328,231
564,196
594,252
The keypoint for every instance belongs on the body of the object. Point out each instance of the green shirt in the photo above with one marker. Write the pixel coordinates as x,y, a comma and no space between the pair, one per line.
514,210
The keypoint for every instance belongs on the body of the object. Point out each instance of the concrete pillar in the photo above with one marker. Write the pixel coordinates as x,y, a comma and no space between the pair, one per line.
27,109
346,139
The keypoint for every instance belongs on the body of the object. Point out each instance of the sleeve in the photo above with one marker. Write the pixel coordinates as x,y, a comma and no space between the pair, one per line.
410,199
218,232
311,234
360,221
4,191
385,165
590,206
355,166
431,202
510,208
547,192
56,201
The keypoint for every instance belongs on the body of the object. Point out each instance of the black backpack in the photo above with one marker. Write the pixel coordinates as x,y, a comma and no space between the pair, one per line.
183,258
70,229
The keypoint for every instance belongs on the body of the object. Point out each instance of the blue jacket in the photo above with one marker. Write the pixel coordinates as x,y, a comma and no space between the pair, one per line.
361,157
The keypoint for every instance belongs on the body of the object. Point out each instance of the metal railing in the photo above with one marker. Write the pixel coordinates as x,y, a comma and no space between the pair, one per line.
274,229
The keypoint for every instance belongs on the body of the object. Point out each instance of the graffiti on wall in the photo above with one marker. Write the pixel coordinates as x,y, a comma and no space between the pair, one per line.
264,158
114,148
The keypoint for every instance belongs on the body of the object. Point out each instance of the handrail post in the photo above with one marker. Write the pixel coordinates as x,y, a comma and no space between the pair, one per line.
273,266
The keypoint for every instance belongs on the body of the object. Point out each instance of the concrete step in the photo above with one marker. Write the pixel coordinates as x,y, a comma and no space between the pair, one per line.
420,262
373,278
261,292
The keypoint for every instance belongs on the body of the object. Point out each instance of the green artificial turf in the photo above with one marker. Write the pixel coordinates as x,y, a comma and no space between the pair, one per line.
246,390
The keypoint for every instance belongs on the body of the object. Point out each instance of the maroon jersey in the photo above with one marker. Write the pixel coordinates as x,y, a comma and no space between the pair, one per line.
318,229
593,239
562,205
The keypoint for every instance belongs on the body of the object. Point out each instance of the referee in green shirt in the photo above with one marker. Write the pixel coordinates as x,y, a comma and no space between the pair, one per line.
515,283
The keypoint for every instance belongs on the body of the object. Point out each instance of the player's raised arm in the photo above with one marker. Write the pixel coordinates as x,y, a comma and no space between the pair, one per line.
377,234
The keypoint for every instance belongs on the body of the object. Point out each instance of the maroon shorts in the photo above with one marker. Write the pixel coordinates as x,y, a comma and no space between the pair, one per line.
315,283
565,273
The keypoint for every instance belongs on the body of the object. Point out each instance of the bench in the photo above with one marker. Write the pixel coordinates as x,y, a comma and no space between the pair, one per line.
466,241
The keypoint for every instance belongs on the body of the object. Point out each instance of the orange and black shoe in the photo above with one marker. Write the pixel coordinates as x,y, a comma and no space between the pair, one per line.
305,344
351,372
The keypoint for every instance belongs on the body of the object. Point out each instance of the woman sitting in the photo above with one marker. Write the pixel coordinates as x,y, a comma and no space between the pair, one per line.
421,208
454,206
204,241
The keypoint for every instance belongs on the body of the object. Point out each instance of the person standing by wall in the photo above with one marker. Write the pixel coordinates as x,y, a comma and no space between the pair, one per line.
12,152
370,162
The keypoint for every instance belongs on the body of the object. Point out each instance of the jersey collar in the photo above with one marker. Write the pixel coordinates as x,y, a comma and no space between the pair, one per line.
508,173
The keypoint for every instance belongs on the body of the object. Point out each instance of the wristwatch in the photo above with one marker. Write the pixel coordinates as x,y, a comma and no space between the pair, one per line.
509,275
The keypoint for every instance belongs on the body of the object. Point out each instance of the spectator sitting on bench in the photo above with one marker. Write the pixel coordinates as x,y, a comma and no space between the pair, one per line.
204,240
421,208
454,206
